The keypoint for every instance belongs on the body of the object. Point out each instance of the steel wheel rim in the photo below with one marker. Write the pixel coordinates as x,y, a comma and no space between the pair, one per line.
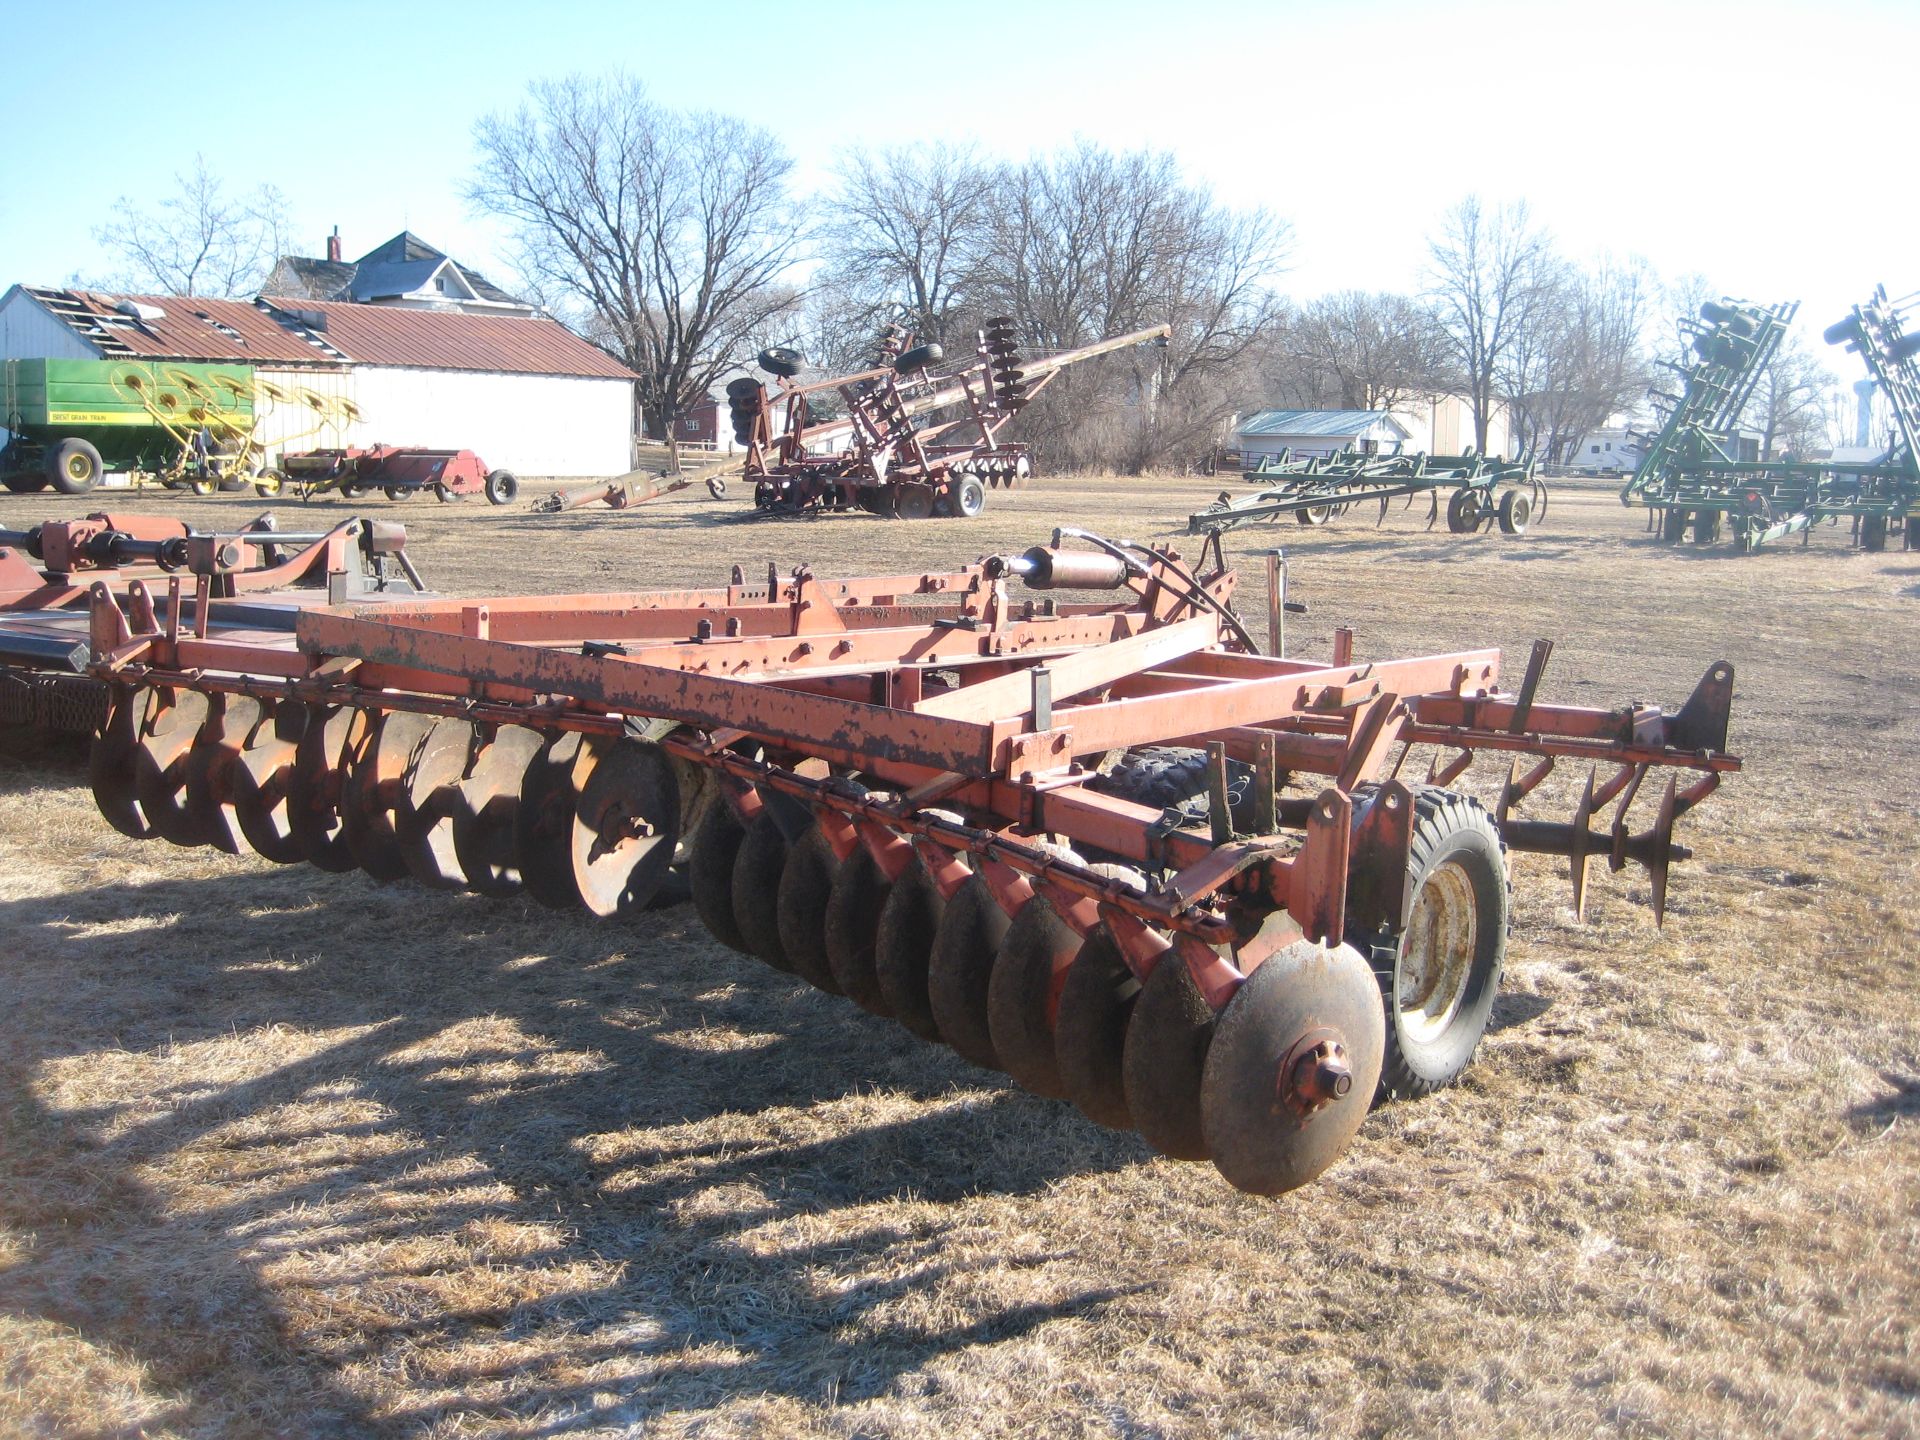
1436,957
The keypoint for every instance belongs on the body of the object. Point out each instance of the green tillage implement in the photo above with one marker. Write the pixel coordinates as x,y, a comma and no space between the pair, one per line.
69,422
1692,481
1313,490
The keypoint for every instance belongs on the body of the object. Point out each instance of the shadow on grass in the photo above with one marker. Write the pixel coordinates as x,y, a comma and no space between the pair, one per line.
657,1160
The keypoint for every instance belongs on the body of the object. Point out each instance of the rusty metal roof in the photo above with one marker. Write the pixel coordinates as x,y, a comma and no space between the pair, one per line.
449,340
185,327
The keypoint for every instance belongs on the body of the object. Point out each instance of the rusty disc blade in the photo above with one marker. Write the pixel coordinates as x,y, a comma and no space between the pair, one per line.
626,824
716,846
1090,1032
167,728
543,823
210,762
423,808
260,780
110,766
375,778
806,884
1165,1060
853,926
960,970
756,889
314,788
1264,1137
1020,996
483,814
903,949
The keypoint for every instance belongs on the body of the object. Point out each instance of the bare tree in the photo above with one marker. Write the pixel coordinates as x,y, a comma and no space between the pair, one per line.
1364,351
1491,274
1792,405
904,237
1582,360
1091,243
199,241
669,234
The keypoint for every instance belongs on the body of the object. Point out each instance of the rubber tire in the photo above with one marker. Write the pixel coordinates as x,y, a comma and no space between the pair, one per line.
1706,526
918,358
1515,512
1873,532
967,497
26,482
1446,826
1913,532
501,486
1173,777
782,361
1673,525
1463,512
68,478
270,484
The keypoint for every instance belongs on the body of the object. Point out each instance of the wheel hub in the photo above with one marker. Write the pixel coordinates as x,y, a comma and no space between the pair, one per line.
1436,956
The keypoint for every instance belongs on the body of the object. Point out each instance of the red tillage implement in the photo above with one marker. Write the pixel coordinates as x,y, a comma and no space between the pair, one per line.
1105,846
398,470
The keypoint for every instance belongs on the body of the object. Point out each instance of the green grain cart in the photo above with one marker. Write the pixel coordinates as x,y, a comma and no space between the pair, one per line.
69,422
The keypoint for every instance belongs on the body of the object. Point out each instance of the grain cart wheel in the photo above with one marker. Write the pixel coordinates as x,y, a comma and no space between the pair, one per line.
853,929
74,467
1873,532
756,877
375,788
1706,526
626,826
1021,997
424,810
314,790
1090,1034
1673,525
716,845
1515,512
210,765
1463,512
969,496
203,486
903,949
1313,516
483,814
25,482
170,720
543,820
269,483
1292,1068
261,782
1439,977
400,492
960,971
501,486
1165,1060
110,765
806,884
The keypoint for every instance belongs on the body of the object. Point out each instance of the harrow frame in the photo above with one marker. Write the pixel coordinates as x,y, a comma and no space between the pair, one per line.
1315,489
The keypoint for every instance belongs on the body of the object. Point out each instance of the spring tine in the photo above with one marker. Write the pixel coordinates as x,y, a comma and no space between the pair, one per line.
1617,861
1662,853
1510,793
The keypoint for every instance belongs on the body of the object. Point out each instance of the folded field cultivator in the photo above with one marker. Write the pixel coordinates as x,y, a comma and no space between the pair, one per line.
1103,845
1314,490
1694,480
889,455
255,576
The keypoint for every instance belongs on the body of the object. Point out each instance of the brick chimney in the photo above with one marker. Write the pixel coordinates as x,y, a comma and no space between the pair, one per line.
333,245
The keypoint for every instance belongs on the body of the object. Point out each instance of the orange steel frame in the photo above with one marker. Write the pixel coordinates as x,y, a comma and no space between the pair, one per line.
952,692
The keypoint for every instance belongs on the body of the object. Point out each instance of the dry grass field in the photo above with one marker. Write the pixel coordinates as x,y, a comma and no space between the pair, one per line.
284,1153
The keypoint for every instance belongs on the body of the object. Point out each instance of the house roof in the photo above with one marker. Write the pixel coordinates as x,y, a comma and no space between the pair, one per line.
1331,423
400,266
448,339
183,327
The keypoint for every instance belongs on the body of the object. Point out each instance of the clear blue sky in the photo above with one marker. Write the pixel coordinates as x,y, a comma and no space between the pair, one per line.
1731,139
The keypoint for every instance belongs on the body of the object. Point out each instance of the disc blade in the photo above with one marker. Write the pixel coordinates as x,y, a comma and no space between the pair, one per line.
423,806
1165,1059
315,786
756,889
960,970
110,766
543,823
1090,1032
806,884
853,926
716,845
1038,945
483,814
903,948
626,824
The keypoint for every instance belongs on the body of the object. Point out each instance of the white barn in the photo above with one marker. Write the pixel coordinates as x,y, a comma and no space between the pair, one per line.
523,392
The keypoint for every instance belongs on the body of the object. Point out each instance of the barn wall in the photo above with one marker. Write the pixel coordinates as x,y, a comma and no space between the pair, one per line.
535,425
28,332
